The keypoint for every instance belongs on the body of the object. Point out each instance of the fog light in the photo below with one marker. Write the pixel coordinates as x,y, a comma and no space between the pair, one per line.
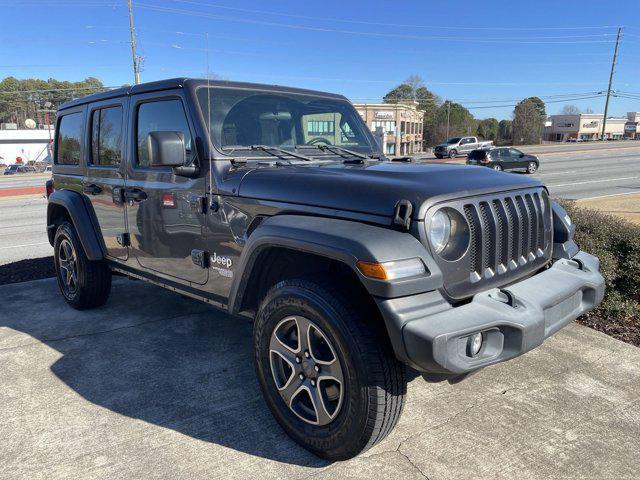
474,344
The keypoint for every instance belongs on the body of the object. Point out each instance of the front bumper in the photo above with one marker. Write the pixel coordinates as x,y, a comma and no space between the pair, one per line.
513,320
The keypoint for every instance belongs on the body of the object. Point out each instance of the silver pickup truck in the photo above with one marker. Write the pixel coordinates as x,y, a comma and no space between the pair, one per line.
459,145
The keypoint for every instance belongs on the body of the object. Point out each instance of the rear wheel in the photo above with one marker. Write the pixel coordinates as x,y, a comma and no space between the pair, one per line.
83,283
498,167
328,379
453,153
532,167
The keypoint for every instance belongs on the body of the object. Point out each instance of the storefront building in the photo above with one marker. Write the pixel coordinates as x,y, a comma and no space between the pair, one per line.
398,125
585,127
632,127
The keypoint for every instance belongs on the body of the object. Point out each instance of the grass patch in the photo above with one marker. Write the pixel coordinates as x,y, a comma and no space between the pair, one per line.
617,243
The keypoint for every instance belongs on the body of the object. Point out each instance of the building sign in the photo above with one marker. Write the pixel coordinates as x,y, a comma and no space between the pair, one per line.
387,115
591,124
630,127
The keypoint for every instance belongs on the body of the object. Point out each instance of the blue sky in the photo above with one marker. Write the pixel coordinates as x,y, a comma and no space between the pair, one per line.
473,52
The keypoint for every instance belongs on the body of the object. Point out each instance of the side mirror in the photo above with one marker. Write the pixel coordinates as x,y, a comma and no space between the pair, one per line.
166,149
521,155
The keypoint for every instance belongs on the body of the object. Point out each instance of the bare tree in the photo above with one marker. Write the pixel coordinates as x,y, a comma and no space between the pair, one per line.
570,110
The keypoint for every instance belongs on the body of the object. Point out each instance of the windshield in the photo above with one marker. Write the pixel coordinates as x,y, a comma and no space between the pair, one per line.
453,140
242,118
12,167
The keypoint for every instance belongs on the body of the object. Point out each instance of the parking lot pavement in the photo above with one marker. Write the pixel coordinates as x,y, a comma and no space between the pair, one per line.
153,385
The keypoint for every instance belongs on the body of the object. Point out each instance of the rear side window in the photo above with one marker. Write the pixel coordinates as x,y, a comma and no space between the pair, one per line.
106,136
161,116
477,155
69,138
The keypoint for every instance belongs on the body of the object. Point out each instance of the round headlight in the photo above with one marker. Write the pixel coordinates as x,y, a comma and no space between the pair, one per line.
440,230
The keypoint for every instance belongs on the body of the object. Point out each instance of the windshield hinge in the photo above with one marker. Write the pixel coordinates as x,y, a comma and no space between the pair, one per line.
402,214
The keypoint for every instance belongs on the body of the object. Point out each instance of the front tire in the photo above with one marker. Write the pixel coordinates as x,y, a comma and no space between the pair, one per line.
532,167
498,168
439,157
349,375
83,283
453,153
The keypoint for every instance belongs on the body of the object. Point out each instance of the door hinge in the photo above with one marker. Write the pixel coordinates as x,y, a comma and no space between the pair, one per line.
402,214
123,239
200,258
198,204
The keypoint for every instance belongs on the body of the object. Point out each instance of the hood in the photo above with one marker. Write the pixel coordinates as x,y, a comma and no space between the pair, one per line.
375,187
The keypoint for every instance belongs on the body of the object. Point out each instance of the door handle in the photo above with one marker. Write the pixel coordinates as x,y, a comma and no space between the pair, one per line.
135,194
91,189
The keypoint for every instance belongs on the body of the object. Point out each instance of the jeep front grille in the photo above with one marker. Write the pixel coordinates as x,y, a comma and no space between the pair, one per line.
506,233
509,237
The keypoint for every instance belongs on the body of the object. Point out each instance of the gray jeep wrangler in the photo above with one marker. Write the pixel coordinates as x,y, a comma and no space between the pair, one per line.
276,204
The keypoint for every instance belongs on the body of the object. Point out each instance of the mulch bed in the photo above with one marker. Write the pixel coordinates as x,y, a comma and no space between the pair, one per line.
628,333
25,270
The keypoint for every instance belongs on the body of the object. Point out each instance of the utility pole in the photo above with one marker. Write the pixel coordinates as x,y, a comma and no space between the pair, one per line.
136,74
448,114
613,65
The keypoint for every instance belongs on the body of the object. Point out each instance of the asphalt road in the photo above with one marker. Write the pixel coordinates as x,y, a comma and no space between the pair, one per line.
23,229
153,385
591,173
600,169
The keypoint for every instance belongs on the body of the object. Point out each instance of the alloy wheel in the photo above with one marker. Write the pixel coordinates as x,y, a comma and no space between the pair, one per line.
306,370
532,167
68,267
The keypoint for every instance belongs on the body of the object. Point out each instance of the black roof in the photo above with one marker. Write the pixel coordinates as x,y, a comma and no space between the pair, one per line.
181,82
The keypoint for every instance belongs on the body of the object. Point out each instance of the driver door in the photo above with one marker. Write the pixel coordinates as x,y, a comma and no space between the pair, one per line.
164,227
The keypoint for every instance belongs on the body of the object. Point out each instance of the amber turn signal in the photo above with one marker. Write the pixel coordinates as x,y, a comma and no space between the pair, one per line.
372,270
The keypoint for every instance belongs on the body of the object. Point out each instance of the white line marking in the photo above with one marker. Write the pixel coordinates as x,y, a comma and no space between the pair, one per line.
591,181
25,245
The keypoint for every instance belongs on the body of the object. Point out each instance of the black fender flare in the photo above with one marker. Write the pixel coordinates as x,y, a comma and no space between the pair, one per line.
82,217
342,240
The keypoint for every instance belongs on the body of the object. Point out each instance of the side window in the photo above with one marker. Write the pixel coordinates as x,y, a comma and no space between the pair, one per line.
514,153
161,116
69,139
106,136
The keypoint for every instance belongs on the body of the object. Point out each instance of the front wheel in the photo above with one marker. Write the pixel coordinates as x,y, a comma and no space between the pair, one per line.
498,168
532,167
83,283
328,379
453,153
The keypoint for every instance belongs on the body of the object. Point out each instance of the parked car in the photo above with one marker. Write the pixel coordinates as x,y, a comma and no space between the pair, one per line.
350,266
16,168
504,158
459,146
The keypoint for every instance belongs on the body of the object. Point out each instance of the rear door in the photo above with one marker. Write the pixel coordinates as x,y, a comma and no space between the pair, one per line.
467,144
518,159
163,224
103,183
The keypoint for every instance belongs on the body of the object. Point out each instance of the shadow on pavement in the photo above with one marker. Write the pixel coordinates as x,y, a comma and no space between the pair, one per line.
152,355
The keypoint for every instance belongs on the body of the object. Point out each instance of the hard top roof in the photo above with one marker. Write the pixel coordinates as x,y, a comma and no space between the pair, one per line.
181,82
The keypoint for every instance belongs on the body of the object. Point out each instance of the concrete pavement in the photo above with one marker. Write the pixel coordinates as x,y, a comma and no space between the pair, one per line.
153,385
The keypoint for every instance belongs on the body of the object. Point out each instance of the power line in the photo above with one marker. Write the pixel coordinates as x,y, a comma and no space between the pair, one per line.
386,24
357,33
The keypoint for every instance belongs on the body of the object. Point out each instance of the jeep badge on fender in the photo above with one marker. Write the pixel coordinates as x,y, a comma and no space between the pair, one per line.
350,266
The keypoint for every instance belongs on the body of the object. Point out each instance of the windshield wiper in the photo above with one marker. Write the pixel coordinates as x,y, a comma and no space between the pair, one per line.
340,151
281,151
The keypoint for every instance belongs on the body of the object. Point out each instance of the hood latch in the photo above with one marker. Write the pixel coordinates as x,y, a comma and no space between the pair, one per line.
402,214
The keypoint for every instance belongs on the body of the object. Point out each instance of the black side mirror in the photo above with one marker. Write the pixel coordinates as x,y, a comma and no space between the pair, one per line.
166,149
521,155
